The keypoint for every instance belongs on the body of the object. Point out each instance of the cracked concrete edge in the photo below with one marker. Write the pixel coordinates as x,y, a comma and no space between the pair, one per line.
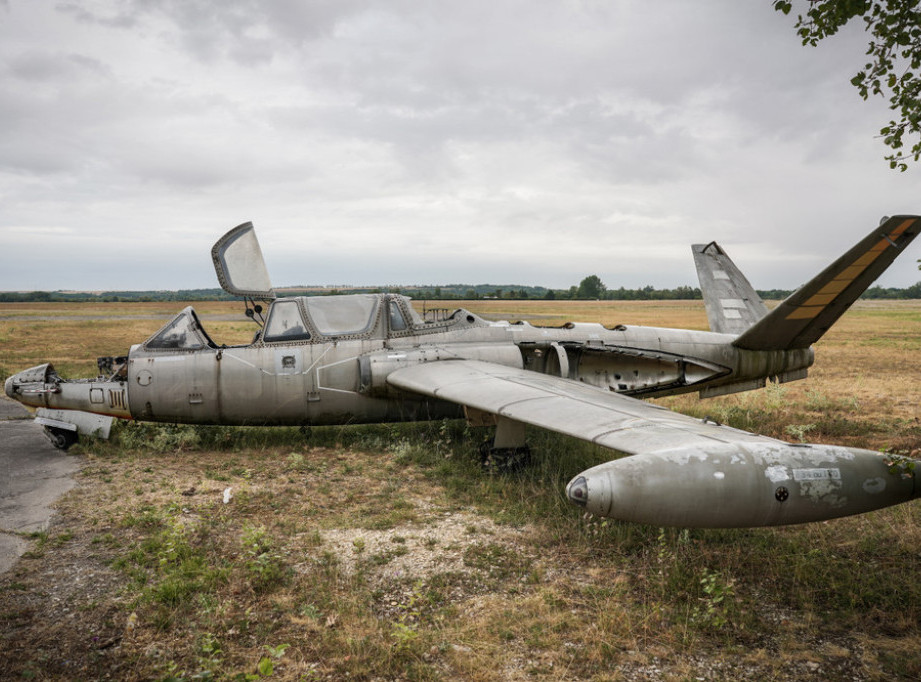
11,548
10,409
33,476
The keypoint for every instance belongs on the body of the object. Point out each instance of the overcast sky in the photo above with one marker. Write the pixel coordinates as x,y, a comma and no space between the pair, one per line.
503,141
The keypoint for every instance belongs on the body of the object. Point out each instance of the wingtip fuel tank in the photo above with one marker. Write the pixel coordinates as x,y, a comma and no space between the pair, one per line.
743,485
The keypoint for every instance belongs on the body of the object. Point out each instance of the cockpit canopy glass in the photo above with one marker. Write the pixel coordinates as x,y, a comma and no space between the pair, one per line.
285,323
340,315
415,318
239,264
183,332
397,321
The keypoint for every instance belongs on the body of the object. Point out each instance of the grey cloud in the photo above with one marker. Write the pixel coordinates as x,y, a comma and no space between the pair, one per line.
509,123
120,18
242,30
36,66
423,75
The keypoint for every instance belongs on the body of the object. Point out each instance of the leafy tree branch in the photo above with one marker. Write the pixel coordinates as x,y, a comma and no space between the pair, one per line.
894,52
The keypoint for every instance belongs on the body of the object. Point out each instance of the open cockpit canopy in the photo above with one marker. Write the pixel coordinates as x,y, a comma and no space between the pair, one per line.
239,264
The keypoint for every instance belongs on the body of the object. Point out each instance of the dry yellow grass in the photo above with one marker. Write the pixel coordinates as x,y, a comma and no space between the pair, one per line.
71,336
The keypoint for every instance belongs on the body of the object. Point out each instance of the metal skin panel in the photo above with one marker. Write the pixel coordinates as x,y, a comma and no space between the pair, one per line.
173,387
742,485
41,387
380,365
36,375
266,385
85,423
570,407
731,302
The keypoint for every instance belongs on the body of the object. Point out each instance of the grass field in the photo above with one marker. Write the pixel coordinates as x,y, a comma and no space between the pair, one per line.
384,552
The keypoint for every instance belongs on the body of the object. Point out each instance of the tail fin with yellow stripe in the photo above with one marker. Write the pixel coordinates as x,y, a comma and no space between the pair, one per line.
809,312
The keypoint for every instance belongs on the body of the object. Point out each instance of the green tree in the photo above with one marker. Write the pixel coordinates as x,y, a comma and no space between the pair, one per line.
591,287
894,60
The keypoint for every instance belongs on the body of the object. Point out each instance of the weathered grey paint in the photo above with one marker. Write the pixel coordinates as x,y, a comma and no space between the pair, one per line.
731,301
743,485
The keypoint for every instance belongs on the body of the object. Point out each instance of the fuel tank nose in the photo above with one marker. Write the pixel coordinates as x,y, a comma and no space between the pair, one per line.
577,491
594,491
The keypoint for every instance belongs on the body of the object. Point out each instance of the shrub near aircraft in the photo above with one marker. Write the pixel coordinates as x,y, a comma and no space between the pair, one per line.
372,358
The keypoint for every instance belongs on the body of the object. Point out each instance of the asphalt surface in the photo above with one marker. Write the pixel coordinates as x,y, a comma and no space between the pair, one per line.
33,474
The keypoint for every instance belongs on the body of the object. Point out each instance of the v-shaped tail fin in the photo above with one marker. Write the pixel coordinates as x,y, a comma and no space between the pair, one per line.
731,302
807,314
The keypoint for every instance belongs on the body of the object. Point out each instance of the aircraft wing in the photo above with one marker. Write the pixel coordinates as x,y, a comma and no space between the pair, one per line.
684,471
606,418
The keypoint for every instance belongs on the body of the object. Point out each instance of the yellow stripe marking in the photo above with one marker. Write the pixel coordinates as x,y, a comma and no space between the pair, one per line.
821,299
834,287
828,293
851,273
805,313
901,228
866,259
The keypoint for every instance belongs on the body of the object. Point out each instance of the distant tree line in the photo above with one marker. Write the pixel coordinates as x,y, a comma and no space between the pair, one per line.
115,296
589,289
914,291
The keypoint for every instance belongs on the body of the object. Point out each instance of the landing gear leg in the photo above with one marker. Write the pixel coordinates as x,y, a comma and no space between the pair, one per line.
504,460
507,452
61,438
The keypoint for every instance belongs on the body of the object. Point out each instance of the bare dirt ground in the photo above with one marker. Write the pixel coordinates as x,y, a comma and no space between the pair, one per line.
68,614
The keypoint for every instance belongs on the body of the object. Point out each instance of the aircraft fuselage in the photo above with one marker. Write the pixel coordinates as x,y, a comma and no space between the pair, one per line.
328,378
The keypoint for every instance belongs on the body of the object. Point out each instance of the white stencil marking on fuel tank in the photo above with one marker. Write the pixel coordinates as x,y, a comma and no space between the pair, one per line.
816,474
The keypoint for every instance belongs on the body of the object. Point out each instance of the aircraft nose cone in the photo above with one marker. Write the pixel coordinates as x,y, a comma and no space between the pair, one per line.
594,491
8,387
577,491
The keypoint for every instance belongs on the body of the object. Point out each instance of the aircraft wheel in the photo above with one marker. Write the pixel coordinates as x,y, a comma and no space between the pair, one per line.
61,438
503,460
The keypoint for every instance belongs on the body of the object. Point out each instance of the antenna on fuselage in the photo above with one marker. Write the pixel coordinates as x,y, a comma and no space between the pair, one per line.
255,311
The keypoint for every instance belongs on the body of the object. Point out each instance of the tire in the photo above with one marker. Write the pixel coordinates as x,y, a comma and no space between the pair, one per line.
62,439
504,460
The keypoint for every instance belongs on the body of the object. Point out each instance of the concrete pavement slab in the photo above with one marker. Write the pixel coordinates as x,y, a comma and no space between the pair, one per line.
33,474
10,409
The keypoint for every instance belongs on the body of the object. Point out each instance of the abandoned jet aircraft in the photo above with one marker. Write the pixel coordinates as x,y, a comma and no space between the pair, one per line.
372,358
